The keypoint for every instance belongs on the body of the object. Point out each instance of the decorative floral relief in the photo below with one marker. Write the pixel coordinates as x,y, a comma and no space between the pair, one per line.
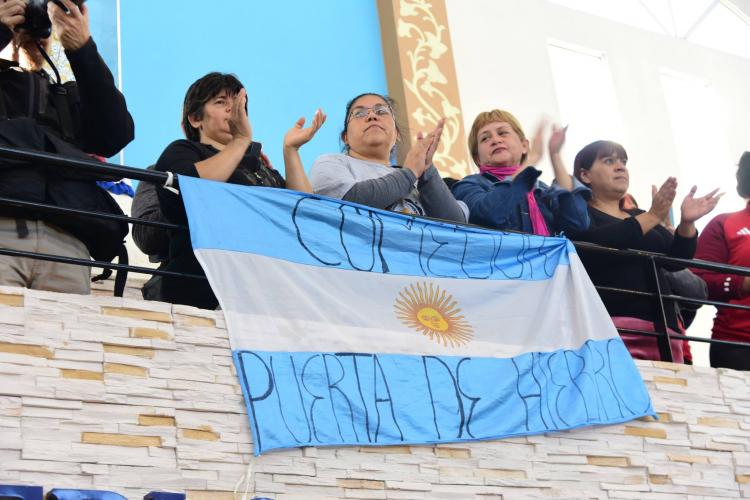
425,81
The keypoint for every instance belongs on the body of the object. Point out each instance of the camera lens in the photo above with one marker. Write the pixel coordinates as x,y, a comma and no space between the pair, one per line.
37,22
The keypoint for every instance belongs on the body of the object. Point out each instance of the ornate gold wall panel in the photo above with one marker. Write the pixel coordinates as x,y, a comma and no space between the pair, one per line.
422,77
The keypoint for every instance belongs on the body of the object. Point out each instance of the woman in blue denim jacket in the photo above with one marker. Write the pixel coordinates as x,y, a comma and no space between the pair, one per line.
507,194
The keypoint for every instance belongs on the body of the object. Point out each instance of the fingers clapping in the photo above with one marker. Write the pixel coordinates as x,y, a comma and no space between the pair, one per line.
435,142
557,139
420,156
297,136
554,143
536,146
239,123
693,208
662,198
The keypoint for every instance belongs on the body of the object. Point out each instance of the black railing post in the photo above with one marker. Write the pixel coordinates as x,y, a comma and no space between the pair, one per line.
665,346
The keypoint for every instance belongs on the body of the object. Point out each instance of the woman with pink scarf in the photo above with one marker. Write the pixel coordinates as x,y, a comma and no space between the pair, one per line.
506,193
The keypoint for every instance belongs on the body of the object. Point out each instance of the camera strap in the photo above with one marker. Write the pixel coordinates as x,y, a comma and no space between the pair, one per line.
49,61
59,98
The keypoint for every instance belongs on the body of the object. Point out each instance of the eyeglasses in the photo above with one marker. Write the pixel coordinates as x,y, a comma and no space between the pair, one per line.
362,112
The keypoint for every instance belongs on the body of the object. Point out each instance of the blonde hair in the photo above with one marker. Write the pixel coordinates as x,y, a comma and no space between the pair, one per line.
485,117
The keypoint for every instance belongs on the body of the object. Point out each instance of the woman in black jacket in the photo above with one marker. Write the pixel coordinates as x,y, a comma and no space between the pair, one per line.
602,166
219,147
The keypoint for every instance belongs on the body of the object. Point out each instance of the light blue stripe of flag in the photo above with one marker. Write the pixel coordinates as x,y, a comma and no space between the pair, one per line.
332,233
323,399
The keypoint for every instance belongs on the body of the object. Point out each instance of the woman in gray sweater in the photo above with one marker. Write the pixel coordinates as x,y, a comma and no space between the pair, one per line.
364,173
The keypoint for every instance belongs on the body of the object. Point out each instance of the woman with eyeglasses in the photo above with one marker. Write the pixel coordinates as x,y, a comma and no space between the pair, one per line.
365,174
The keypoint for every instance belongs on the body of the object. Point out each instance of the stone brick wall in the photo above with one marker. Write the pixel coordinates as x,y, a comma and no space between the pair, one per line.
122,394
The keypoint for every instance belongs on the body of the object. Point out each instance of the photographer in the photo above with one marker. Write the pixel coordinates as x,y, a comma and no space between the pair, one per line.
75,119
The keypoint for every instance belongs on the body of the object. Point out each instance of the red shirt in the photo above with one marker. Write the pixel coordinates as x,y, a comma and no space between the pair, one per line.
726,239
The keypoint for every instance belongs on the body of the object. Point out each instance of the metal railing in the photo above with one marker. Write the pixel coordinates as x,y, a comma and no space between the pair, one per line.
101,170
653,261
115,172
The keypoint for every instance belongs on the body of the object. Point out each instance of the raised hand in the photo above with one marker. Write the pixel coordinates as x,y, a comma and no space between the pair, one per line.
556,139
536,146
662,198
693,208
12,13
416,158
72,27
435,142
239,123
298,136
554,145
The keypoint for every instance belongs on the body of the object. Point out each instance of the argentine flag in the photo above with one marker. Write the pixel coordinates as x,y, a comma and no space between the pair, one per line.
356,326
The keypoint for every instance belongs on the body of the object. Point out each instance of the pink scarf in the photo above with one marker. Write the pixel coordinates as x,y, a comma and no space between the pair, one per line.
538,224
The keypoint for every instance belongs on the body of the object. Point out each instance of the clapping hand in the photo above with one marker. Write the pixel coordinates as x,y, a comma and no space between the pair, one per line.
239,123
436,134
662,198
419,157
298,136
556,139
416,157
536,146
693,208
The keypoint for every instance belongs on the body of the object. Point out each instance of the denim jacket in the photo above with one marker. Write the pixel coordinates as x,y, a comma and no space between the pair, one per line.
503,204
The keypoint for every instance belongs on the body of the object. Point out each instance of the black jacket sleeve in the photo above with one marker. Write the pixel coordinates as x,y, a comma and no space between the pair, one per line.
626,233
681,248
6,36
179,158
106,124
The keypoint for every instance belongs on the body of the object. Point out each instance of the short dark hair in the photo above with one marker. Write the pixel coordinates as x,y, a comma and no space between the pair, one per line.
598,149
388,100
200,92
743,175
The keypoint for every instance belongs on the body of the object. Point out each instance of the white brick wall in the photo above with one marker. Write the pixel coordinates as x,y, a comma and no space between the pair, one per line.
131,396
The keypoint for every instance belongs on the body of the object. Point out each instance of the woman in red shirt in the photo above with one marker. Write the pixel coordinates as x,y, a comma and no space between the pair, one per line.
726,239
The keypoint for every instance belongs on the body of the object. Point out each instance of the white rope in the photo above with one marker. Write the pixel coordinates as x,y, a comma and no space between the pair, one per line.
247,478
169,184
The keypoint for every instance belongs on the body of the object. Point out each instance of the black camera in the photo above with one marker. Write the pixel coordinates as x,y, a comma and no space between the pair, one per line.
37,23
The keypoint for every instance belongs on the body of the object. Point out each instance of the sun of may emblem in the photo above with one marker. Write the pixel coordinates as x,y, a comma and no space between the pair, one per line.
433,313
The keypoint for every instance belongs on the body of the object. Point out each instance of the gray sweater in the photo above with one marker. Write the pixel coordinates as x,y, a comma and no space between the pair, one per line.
389,188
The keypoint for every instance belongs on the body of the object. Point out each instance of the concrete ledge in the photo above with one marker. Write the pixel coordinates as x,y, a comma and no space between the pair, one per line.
132,396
